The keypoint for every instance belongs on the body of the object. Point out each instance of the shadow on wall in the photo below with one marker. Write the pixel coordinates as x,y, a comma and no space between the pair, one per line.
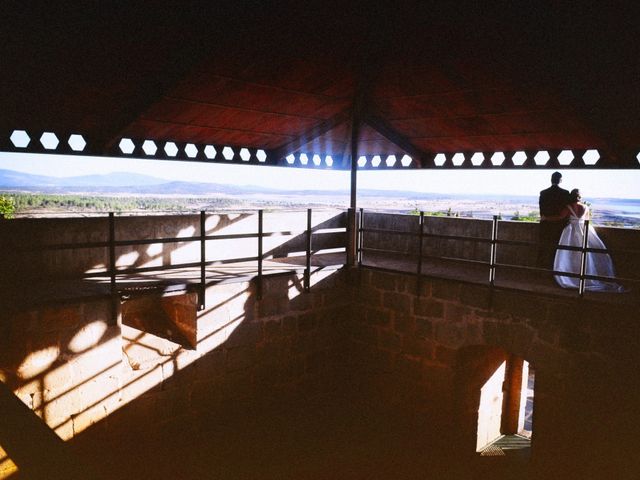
75,370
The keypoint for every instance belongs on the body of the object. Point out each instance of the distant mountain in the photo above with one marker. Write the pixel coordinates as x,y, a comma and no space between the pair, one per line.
132,183
13,179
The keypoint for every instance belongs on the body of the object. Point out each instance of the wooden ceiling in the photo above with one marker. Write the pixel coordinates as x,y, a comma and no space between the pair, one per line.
417,78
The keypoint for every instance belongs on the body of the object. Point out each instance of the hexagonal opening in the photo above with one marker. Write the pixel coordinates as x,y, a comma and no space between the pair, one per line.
390,161
49,140
77,142
362,161
127,146
591,157
228,153
477,159
519,158
191,150
406,160
20,139
565,157
245,154
497,159
290,158
329,160
304,159
171,149
440,159
261,155
149,147
375,161
458,159
541,158
210,152
316,160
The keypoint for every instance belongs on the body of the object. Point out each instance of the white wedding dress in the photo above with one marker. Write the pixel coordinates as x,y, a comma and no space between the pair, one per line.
569,260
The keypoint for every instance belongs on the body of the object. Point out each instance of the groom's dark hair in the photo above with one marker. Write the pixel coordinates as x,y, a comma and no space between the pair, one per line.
556,177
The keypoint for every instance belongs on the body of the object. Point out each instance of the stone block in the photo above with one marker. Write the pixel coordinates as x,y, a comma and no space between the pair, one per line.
240,358
289,325
428,307
377,317
408,368
390,340
272,329
397,302
424,327
445,290
450,334
454,312
404,324
519,305
244,333
307,322
384,281
138,382
206,395
475,296
417,347
446,355
316,362
369,295
365,334
406,284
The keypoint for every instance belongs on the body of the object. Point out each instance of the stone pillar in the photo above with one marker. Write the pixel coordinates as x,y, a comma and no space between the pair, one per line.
512,389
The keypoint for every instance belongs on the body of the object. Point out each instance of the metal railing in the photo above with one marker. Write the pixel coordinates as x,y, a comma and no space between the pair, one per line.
112,243
491,263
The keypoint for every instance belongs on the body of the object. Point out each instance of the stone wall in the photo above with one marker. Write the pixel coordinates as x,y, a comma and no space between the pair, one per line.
75,369
616,239
26,239
412,354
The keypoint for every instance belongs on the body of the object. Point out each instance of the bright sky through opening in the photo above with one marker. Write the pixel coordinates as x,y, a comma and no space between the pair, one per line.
592,183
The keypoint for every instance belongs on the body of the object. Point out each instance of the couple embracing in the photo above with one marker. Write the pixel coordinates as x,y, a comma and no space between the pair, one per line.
562,217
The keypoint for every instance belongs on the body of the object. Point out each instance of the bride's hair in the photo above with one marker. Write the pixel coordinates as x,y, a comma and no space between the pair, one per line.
574,196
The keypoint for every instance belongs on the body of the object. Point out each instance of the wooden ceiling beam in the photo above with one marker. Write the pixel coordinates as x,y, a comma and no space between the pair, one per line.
380,126
309,136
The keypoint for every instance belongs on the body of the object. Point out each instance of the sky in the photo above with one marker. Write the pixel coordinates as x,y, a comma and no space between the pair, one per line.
592,183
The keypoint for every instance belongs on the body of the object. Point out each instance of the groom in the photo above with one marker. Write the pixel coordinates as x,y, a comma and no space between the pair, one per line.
552,201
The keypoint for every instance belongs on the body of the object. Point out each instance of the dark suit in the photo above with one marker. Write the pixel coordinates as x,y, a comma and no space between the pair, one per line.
552,201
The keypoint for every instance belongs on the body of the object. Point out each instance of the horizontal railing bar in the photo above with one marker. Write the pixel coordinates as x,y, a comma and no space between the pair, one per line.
427,235
393,232
461,260
159,268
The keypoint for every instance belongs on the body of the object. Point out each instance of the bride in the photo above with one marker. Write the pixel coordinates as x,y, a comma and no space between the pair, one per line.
599,264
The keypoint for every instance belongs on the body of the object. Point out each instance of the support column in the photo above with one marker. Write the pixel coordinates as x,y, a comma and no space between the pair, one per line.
352,217
511,388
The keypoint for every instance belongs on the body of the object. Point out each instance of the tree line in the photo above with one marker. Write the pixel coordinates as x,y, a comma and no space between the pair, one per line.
33,202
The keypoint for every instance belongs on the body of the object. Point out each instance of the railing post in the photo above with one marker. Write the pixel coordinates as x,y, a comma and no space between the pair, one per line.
360,236
493,253
203,259
112,269
352,237
260,235
419,269
307,270
583,258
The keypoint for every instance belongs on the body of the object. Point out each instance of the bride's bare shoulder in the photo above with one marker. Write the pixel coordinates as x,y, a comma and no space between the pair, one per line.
581,208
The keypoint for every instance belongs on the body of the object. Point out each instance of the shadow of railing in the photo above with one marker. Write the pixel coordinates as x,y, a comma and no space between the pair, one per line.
96,383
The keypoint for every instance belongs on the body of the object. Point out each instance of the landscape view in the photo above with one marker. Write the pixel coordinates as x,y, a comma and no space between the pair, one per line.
30,195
